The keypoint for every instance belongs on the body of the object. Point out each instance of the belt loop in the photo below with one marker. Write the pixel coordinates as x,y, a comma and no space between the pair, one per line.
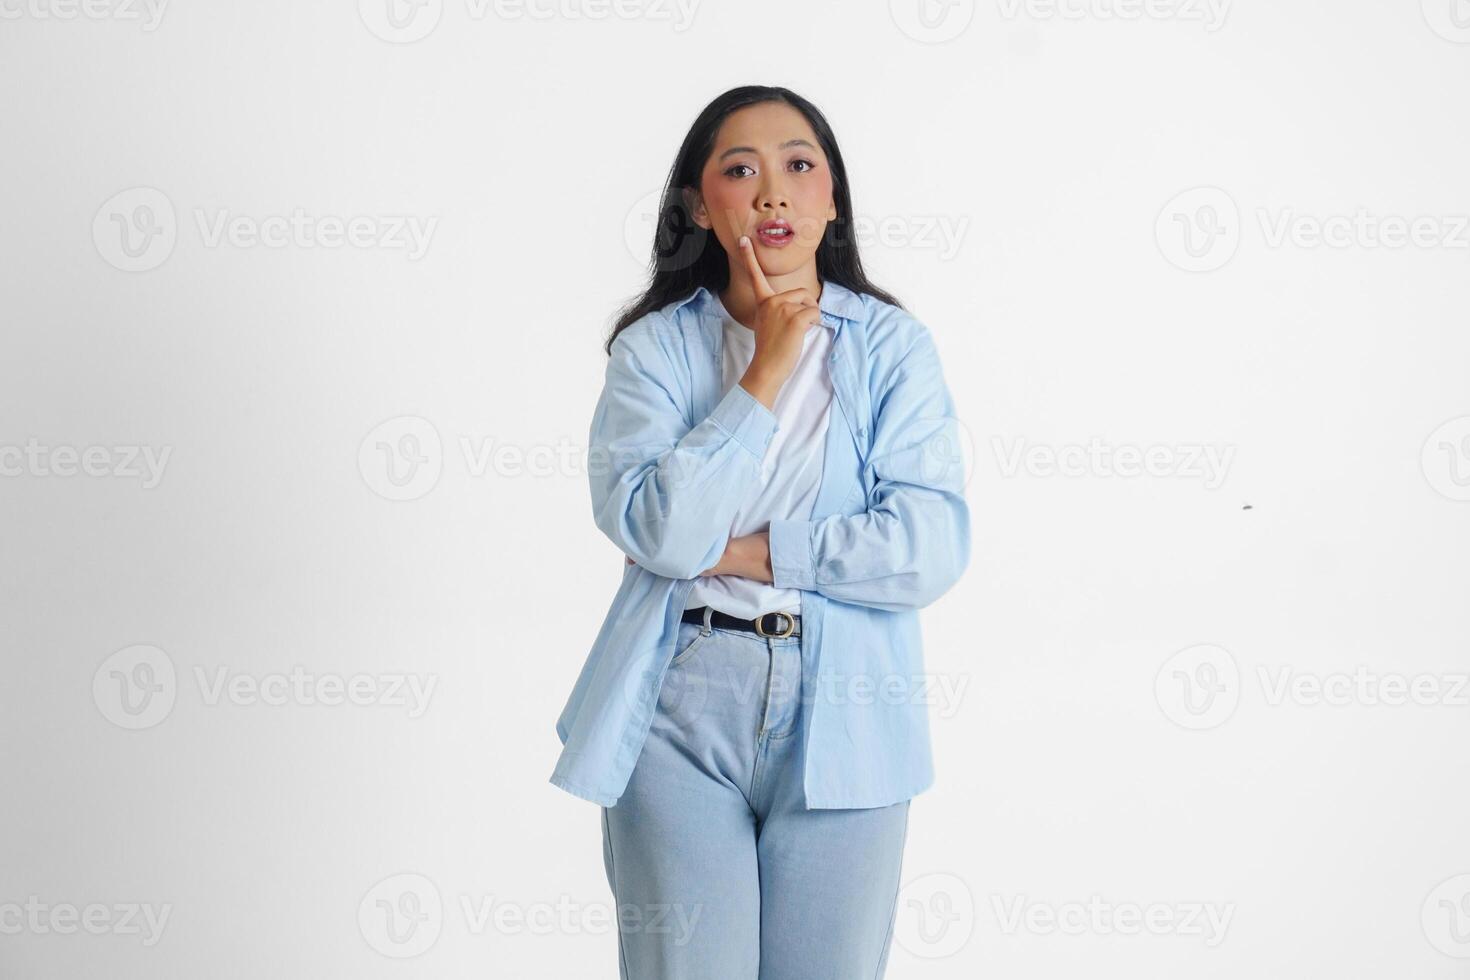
708,612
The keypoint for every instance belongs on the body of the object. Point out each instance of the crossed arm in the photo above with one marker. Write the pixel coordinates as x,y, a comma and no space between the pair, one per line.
666,494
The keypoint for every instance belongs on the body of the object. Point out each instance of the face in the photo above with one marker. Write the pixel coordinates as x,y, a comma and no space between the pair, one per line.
766,163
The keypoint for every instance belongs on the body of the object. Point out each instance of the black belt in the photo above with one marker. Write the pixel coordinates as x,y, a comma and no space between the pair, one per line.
777,624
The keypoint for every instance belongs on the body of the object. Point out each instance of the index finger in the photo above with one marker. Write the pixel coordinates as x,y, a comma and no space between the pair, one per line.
753,269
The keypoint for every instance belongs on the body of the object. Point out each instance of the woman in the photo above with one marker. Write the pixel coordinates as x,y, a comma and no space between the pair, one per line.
776,453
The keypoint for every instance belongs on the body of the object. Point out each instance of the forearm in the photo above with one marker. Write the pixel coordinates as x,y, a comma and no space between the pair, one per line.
671,512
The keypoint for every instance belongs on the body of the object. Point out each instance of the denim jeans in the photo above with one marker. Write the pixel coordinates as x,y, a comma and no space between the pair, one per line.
718,870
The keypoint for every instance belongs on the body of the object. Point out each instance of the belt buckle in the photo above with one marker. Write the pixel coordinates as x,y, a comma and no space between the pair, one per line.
790,624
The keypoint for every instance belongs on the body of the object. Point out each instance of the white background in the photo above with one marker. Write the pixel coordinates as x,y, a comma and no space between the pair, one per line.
1025,165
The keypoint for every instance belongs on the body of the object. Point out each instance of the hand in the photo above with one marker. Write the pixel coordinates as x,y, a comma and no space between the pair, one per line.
782,320
748,556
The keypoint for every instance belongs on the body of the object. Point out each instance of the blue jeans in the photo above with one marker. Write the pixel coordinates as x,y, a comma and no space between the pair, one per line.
718,870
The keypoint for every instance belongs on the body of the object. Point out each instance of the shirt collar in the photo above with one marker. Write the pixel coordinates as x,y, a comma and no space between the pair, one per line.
836,300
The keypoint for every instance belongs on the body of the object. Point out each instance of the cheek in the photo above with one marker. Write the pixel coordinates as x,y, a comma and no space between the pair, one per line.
811,202
816,192
721,203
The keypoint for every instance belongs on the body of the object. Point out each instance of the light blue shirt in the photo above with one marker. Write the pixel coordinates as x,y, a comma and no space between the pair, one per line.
672,455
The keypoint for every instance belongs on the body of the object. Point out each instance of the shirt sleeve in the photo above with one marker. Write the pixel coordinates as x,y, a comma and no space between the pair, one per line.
913,541
665,493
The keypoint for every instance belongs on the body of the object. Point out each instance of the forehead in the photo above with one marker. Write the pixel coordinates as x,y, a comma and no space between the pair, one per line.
765,127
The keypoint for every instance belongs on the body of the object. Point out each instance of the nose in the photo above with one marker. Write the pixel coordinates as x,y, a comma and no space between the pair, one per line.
773,195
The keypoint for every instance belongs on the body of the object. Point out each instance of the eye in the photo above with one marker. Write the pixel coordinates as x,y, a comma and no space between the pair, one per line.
730,171
810,166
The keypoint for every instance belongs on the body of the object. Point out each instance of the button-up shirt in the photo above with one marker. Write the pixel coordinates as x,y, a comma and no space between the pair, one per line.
671,457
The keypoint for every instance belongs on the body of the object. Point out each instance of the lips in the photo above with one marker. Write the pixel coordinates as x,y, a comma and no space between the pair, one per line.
775,232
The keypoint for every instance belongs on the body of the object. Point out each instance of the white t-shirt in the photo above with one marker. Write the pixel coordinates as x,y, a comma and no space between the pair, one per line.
791,470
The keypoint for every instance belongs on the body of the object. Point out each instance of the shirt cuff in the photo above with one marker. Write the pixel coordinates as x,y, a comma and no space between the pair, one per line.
792,564
748,421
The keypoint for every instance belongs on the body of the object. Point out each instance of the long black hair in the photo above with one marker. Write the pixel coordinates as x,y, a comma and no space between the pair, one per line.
686,256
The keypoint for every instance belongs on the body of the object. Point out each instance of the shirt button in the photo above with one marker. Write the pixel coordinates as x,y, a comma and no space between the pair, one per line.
862,430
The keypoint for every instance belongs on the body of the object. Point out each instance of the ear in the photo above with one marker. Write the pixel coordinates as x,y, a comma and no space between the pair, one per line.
694,203
832,210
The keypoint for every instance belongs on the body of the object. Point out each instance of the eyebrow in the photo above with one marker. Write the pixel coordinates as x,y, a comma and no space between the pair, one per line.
750,149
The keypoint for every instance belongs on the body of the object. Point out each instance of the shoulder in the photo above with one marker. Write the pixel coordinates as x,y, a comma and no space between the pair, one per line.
649,330
645,345
890,335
